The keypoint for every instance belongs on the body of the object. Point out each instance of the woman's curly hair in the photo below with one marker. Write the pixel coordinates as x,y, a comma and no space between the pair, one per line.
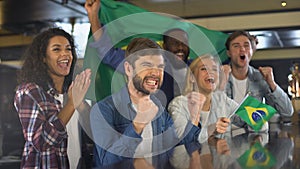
34,70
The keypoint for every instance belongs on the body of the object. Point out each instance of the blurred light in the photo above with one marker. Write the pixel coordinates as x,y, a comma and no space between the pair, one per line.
263,38
283,3
295,34
80,34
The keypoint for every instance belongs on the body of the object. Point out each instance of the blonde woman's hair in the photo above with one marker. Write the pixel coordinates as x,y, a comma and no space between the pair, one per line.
192,86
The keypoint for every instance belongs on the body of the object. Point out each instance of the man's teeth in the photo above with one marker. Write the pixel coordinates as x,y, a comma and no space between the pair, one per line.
180,54
151,82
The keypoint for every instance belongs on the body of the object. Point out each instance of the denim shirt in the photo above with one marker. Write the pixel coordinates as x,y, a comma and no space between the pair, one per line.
114,135
258,88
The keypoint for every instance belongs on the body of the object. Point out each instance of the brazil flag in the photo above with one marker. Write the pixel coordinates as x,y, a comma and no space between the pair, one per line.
257,157
255,113
124,21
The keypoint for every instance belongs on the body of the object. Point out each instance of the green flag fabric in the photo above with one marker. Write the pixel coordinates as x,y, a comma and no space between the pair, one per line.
255,113
123,21
257,157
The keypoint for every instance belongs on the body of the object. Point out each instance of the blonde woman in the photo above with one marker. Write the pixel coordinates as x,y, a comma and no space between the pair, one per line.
201,102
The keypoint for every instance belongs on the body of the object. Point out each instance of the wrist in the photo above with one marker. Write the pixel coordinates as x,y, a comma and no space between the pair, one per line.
273,86
138,127
70,104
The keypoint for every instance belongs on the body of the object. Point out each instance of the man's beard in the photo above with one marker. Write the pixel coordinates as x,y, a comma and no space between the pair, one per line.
138,84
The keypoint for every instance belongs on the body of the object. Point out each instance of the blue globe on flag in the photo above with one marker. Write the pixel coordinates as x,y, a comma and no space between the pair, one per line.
258,115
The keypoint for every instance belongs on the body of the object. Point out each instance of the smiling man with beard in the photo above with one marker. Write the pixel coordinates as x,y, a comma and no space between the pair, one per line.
244,78
132,123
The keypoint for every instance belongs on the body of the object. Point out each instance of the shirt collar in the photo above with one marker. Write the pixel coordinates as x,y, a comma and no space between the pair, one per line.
52,91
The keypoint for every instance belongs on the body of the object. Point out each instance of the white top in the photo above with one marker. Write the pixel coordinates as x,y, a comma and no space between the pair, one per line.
204,117
144,149
239,89
204,123
74,148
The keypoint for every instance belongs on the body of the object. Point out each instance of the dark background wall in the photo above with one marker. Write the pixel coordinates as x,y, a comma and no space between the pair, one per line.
281,69
11,137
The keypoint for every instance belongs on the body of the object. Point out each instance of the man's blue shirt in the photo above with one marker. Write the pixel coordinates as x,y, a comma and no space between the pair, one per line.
114,135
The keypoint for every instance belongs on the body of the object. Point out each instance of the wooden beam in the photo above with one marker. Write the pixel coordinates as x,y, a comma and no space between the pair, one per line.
251,21
275,54
15,40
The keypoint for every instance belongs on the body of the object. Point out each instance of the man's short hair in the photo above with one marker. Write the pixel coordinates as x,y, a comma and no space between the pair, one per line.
141,47
235,35
254,40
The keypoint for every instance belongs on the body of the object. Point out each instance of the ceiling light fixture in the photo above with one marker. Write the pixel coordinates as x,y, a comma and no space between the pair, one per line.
283,3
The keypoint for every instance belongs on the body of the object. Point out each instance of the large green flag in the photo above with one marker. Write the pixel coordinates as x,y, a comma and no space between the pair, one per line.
257,157
255,113
123,22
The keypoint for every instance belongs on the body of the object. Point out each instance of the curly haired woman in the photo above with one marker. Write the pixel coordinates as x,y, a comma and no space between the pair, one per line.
45,77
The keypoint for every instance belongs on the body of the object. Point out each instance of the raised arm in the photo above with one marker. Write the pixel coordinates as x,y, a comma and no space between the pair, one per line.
76,94
92,7
106,51
277,98
180,113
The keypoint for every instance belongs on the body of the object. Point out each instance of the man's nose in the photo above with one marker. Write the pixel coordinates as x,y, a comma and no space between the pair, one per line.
180,46
242,48
154,72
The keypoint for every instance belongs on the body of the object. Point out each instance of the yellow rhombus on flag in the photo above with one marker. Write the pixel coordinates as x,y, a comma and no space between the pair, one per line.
255,113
